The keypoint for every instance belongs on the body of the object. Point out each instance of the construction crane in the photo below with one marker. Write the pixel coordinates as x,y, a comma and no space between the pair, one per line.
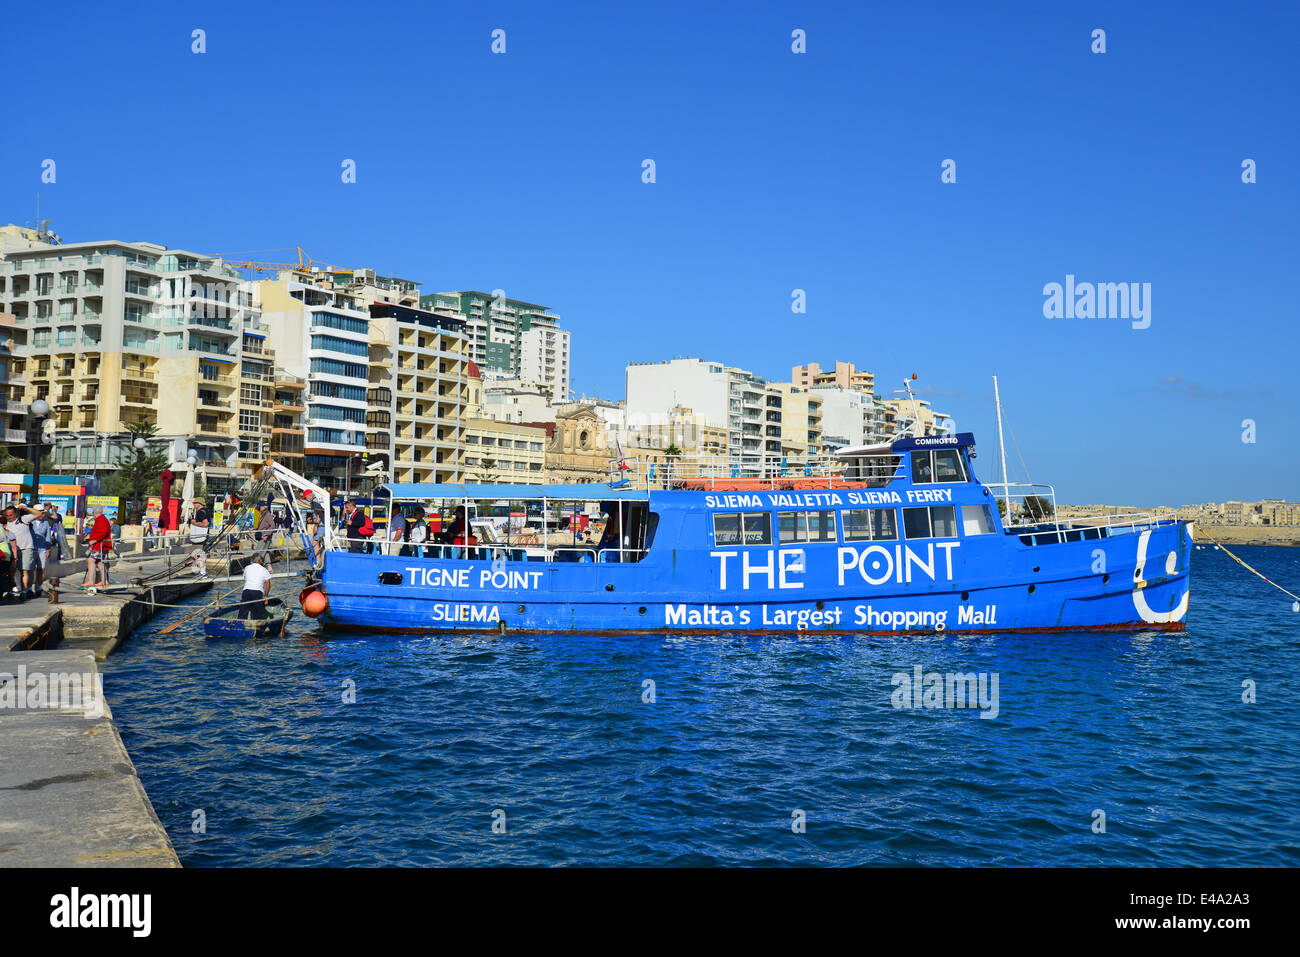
234,261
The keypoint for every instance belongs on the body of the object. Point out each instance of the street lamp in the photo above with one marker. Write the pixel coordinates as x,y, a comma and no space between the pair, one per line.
39,410
139,444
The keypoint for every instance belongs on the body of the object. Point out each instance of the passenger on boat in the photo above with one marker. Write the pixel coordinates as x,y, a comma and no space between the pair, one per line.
257,588
417,533
354,519
611,540
396,534
459,534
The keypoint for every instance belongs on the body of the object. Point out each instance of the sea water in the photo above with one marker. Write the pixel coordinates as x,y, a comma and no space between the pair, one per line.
1149,748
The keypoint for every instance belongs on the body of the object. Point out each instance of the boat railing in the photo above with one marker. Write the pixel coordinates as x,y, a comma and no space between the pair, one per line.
506,552
1024,504
1124,521
1030,511
753,472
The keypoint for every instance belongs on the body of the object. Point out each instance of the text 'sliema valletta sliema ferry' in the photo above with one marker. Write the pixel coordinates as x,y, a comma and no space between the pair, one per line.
898,537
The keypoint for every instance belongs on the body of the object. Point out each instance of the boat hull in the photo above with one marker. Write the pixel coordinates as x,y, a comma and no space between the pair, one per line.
226,623
1135,581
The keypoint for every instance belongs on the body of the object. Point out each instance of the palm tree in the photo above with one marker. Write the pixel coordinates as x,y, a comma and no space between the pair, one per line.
138,470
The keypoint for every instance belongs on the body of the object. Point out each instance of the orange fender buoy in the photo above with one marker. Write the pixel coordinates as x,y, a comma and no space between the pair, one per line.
314,603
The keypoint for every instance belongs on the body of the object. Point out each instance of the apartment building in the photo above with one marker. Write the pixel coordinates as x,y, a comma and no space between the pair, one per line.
798,418
510,338
846,416
288,433
497,451
321,335
513,400
428,378
917,416
256,398
113,333
683,429
723,396
843,375
13,388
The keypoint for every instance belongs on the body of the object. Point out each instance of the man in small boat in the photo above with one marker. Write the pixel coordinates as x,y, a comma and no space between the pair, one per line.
257,588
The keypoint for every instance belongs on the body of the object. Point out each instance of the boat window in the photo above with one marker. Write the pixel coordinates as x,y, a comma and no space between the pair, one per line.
869,524
806,526
976,520
758,528
937,521
941,466
947,466
742,528
916,522
876,470
943,521
922,471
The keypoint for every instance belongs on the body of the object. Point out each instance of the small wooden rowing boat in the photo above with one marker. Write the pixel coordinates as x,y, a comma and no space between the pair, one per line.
226,623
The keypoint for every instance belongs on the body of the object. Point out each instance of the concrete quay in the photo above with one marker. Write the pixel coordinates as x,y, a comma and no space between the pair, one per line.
103,621
98,622
69,794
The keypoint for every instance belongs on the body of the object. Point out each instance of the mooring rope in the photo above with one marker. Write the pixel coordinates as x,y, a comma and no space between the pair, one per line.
1248,567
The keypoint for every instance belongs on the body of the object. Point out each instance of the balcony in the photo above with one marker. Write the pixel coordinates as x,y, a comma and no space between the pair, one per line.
226,381
222,325
139,289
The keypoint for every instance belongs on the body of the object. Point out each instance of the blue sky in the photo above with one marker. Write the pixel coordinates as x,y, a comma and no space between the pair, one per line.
775,171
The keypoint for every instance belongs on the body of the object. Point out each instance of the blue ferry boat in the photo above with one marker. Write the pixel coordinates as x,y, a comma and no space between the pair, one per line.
899,537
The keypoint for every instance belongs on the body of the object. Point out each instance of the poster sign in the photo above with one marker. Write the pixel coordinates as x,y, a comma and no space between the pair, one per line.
67,497
111,504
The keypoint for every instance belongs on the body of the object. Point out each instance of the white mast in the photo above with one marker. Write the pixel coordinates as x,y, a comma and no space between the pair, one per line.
1002,448
916,409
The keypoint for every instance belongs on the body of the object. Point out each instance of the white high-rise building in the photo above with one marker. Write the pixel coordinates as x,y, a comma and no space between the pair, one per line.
510,338
322,334
723,396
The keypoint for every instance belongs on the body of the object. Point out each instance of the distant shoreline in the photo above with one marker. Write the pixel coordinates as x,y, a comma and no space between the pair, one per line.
1246,535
